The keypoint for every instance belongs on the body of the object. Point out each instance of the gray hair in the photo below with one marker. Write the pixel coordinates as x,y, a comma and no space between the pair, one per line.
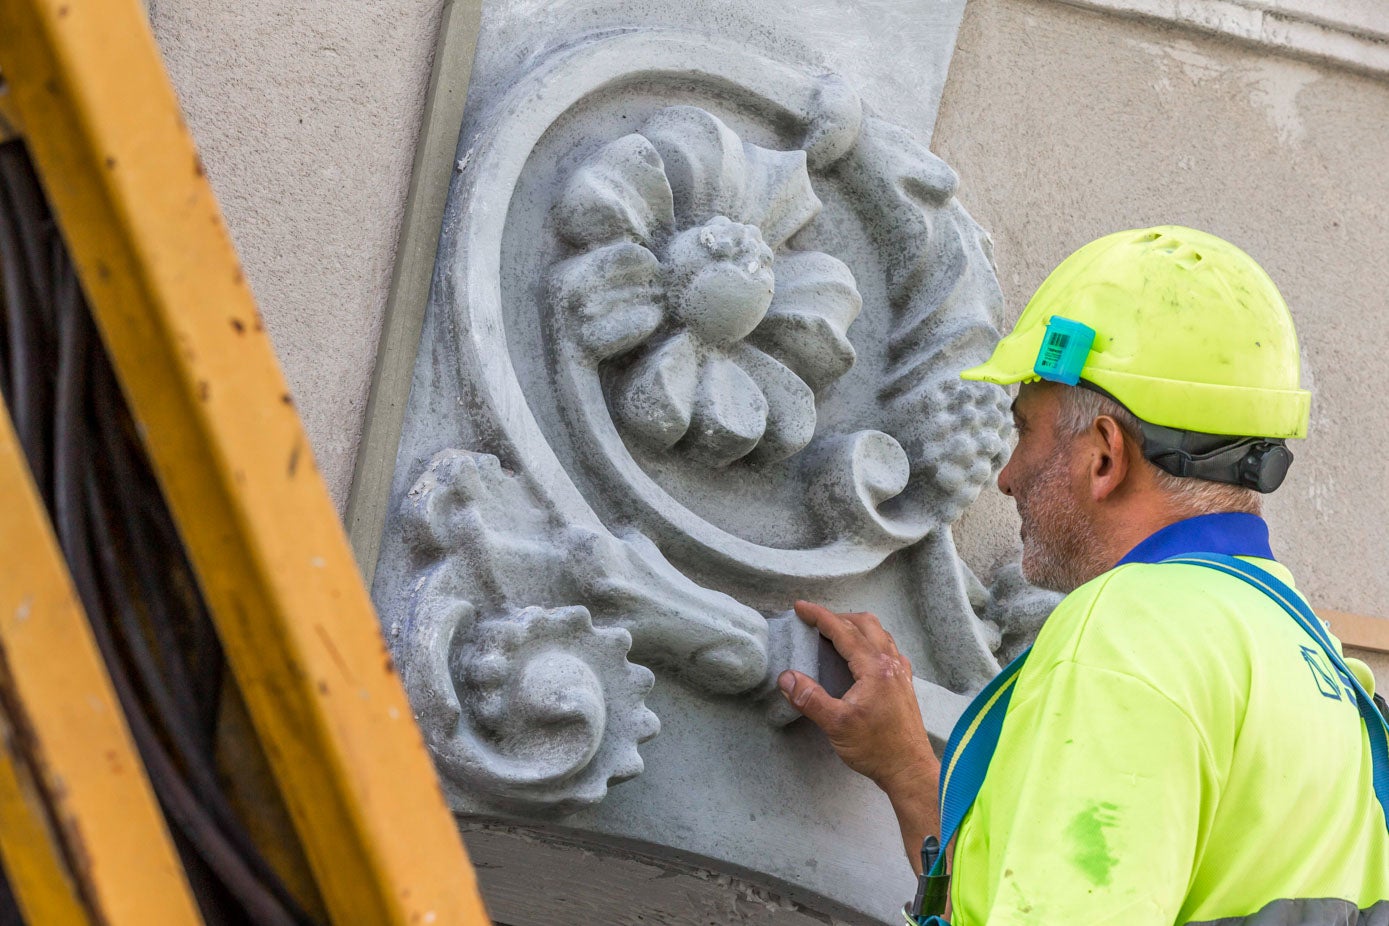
1077,412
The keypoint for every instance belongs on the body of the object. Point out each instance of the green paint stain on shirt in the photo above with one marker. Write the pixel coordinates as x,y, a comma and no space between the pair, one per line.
1086,842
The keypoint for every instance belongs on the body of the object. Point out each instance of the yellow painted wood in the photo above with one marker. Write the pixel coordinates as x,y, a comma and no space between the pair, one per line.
231,455
79,823
30,849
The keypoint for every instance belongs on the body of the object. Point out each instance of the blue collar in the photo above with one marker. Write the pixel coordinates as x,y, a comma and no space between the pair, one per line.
1231,533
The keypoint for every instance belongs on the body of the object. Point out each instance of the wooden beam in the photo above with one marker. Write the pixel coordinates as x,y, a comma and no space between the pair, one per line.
1358,630
81,833
209,399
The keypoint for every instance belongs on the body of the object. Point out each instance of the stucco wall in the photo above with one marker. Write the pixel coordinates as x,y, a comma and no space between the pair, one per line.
307,115
1066,124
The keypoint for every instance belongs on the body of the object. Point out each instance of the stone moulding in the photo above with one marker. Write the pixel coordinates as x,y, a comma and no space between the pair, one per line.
685,320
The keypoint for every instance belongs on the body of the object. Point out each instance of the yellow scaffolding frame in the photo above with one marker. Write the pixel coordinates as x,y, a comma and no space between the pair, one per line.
80,829
175,313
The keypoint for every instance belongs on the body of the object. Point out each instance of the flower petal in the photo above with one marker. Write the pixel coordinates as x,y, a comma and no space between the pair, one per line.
704,162
778,198
654,399
790,405
730,413
815,302
611,297
619,192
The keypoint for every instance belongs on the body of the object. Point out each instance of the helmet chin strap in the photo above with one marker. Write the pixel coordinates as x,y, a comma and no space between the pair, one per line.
1258,463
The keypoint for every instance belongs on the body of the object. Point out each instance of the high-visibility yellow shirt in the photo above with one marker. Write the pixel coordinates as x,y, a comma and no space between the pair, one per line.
1177,750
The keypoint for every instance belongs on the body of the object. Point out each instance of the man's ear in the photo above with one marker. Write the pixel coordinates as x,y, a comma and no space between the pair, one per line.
1110,466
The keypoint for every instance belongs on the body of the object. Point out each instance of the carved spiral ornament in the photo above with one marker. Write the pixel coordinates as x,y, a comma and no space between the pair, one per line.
537,708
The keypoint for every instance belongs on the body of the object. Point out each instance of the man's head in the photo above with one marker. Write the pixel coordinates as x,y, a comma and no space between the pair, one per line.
1084,491
1160,378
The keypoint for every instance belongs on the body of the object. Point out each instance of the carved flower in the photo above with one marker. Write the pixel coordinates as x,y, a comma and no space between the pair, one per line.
724,335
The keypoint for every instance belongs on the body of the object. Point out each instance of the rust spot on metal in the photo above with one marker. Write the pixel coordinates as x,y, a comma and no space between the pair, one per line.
110,163
103,271
204,390
322,687
198,166
294,458
238,326
286,399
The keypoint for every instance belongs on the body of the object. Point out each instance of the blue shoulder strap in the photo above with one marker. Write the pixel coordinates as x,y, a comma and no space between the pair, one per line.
969,750
966,762
1299,611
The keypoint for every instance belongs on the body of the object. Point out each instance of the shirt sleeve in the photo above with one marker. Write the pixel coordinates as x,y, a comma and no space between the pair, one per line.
1095,814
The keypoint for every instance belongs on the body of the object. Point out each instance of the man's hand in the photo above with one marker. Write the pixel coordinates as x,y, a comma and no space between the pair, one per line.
876,727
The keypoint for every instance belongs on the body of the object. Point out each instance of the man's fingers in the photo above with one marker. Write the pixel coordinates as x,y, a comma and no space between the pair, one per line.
859,638
847,638
808,697
872,629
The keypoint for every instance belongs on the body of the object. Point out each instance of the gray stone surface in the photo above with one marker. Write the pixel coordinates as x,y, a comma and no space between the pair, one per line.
692,352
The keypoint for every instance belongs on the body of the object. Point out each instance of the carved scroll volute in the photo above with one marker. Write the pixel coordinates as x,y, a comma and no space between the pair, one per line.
536,709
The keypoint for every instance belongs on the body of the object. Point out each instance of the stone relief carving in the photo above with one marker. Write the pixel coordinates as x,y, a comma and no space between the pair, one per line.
714,365
684,229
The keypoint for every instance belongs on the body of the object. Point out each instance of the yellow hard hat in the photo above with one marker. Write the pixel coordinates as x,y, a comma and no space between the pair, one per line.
1188,333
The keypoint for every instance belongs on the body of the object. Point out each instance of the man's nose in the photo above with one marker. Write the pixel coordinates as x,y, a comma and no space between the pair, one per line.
1005,478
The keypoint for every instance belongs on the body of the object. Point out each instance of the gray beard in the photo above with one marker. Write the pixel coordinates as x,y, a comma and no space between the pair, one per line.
1061,551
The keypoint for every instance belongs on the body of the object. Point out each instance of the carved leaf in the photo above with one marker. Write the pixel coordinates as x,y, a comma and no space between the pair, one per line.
613,294
490,540
806,327
730,413
620,192
704,162
778,198
654,400
790,404
703,635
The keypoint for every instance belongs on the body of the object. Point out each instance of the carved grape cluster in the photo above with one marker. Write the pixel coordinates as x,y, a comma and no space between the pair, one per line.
960,441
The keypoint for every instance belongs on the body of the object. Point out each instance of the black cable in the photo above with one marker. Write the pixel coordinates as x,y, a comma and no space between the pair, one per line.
129,566
28,394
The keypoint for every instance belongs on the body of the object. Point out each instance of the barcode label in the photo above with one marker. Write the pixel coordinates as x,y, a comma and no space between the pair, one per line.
1054,348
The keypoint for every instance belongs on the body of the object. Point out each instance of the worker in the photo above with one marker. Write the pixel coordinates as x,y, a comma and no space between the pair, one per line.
1178,746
